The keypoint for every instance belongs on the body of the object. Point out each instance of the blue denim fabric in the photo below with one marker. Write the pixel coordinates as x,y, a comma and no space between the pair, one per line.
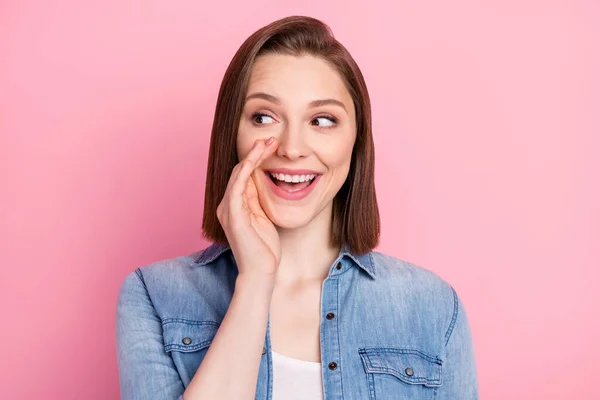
398,331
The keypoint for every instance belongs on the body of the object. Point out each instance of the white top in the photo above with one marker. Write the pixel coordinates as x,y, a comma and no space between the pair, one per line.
295,379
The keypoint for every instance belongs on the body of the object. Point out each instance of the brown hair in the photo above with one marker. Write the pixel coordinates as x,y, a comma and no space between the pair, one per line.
355,213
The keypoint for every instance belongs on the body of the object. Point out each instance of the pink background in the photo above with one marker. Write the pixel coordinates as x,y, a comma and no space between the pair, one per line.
487,133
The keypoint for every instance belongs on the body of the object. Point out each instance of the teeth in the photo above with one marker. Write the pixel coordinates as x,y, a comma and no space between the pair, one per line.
293,178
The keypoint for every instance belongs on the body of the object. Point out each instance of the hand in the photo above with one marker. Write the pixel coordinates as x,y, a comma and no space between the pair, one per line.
250,233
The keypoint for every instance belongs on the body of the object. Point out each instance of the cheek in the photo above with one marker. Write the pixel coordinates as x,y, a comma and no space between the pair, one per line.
337,163
337,154
246,137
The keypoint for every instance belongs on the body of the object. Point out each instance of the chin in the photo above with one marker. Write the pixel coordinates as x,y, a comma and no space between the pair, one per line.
288,217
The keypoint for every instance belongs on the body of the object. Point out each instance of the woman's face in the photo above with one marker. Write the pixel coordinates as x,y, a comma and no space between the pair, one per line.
303,102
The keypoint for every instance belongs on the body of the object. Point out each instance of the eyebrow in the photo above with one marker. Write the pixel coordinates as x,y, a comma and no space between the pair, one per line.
312,104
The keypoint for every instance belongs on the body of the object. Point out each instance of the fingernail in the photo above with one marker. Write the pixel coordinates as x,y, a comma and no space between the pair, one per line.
270,140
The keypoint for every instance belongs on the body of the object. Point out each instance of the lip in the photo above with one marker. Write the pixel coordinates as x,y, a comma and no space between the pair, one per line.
284,194
288,171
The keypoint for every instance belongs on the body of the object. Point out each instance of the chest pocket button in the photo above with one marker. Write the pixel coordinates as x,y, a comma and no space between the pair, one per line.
409,365
188,336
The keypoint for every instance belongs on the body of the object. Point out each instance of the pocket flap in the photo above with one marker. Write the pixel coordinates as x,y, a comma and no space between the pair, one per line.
408,365
185,335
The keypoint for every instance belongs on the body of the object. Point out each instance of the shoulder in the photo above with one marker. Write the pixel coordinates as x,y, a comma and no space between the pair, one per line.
164,271
399,270
420,288
146,279
200,264
169,283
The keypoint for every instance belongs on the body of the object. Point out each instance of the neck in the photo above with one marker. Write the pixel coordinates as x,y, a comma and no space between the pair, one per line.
306,252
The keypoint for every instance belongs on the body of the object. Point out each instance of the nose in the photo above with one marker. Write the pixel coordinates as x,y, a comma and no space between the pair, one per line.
292,143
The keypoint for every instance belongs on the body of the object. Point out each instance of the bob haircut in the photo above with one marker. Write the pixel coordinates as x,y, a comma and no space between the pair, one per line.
355,219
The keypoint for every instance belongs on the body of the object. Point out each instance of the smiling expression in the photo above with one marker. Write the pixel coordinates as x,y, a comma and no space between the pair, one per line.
304,103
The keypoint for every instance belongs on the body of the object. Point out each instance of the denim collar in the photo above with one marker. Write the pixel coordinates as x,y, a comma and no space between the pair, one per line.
364,261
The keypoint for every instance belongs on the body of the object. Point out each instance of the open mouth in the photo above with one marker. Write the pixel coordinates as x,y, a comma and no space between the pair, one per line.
292,183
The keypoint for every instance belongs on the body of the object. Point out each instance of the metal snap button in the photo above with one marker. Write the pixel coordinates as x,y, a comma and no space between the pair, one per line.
330,315
264,350
409,371
187,341
332,365
339,265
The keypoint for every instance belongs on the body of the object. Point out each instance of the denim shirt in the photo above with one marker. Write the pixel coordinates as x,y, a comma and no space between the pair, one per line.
388,330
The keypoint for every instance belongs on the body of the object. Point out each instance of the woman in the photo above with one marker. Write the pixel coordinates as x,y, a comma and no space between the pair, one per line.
290,302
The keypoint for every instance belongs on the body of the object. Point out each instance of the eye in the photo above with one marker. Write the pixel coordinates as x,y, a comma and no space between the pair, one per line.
324,121
262,119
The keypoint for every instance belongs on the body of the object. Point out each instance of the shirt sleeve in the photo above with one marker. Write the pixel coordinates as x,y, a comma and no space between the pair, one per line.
460,374
146,371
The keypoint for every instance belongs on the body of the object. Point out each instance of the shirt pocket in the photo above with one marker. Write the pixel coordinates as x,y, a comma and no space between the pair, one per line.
187,342
401,373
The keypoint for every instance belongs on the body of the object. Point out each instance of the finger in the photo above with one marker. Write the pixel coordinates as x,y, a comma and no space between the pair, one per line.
251,158
251,162
269,150
252,198
256,148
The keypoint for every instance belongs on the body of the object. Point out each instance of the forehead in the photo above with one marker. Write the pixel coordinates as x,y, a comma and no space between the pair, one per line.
295,79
